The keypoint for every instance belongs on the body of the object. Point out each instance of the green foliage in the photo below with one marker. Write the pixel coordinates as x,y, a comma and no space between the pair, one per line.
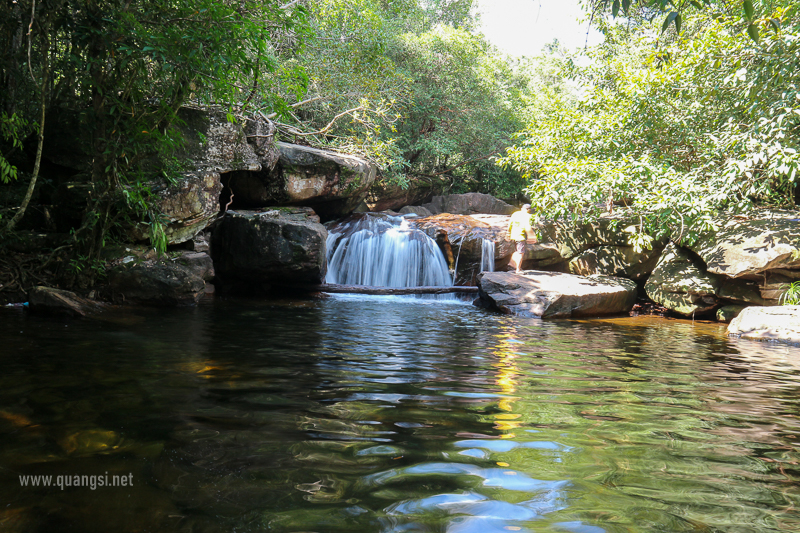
706,122
407,85
792,294
12,129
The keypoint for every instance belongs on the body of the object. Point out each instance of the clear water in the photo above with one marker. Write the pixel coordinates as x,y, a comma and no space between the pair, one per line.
375,414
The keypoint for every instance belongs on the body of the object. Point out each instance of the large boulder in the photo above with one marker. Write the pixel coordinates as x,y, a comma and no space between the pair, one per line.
469,204
745,247
768,323
680,283
214,144
167,281
553,295
574,238
276,246
333,183
188,205
622,261
384,196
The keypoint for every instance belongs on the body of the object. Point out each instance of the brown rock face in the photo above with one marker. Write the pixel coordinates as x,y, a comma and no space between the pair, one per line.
554,295
277,246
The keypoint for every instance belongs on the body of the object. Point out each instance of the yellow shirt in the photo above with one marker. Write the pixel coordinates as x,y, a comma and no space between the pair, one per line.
520,225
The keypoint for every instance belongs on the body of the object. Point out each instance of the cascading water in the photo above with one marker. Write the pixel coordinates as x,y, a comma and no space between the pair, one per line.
487,255
384,251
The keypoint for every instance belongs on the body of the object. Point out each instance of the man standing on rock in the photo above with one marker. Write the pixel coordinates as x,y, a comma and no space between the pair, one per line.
520,231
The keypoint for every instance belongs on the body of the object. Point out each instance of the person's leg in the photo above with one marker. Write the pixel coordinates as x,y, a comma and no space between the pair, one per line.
516,260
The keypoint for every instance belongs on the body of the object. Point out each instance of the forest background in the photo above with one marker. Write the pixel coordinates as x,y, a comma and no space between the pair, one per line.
687,108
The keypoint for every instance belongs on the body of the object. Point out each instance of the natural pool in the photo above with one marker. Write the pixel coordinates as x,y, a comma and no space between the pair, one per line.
394,415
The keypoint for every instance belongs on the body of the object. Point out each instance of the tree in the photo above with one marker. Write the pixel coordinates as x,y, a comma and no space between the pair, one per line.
127,67
706,122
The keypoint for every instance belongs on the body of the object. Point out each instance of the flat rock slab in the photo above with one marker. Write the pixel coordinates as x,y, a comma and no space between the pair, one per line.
555,295
768,323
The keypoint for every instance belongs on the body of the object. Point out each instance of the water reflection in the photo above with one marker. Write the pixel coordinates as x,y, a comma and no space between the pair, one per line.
384,414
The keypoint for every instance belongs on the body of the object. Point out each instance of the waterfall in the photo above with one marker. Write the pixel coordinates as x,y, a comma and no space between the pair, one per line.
487,255
384,251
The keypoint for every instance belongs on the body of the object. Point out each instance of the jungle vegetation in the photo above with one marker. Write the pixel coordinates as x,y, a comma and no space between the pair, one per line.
688,107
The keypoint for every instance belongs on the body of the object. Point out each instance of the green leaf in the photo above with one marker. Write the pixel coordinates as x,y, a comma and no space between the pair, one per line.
667,21
626,6
615,8
752,31
678,23
748,10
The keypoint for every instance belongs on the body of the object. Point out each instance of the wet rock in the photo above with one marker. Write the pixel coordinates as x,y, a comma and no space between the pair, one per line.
726,313
276,246
57,301
159,282
416,210
554,295
469,204
768,323
681,284
744,247
461,239
622,261
333,183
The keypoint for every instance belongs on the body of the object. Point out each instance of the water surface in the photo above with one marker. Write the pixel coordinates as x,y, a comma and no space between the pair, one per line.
395,415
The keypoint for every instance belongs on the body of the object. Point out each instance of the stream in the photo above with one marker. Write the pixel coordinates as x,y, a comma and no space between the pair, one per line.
388,414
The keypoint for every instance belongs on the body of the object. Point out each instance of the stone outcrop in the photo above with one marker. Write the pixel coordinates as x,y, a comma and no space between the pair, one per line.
746,247
415,210
768,323
188,205
384,197
168,281
333,184
680,284
555,295
59,302
269,249
469,204
621,261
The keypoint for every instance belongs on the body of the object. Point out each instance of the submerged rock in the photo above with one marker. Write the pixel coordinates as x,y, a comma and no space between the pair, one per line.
768,323
555,295
282,245
680,284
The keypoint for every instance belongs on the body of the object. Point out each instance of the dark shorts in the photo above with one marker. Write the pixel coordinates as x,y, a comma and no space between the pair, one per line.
521,246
